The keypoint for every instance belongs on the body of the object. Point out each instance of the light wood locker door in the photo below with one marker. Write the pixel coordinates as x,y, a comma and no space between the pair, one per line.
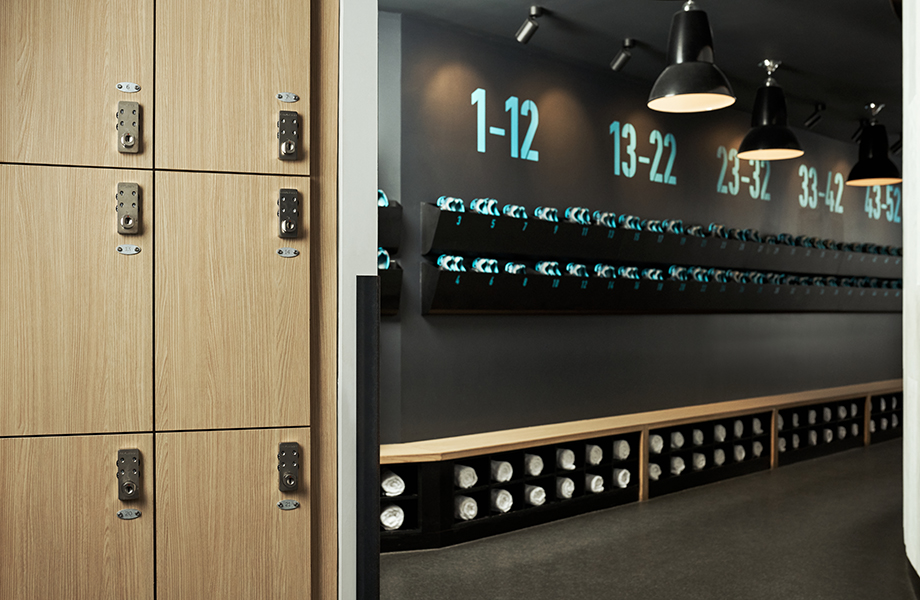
60,65
59,530
220,532
232,315
220,67
76,316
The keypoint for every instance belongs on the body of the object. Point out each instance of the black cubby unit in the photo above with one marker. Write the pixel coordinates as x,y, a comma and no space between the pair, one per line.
390,289
668,482
450,292
890,408
806,450
389,226
445,232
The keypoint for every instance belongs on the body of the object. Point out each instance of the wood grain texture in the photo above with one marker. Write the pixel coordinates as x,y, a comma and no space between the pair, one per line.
75,316
643,464
220,533
59,533
233,318
324,273
59,64
220,64
527,437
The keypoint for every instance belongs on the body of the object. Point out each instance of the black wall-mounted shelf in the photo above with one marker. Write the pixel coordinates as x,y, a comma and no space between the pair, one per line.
389,226
449,292
445,232
390,289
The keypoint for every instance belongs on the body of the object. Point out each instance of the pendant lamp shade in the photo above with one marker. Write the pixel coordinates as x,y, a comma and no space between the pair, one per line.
770,137
691,82
874,167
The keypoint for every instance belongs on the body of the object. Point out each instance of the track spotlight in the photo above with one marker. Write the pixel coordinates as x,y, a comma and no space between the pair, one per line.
530,25
619,61
814,117
896,147
770,137
690,82
874,167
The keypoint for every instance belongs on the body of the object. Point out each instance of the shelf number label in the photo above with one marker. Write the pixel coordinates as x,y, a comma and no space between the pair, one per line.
756,182
890,208
831,195
517,109
659,169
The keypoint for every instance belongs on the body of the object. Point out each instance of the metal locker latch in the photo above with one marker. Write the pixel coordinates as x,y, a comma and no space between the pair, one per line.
128,208
288,214
288,466
128,127
129,474
288,134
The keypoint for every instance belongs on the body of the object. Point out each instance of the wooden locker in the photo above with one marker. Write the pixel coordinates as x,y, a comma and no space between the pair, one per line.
59,529
232,316
220,531
220,67
60,65
76,316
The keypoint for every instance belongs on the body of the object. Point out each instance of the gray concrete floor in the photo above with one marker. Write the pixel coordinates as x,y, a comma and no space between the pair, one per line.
825,528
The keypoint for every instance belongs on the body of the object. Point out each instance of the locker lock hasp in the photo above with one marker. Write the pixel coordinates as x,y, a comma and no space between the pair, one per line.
288,214
288,134
128,208
289,461
129,474
128,127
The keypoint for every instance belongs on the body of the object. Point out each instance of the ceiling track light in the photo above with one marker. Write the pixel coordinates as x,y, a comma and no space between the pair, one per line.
530,24
814,117
874,166
619,61
770,137
897,146
691,82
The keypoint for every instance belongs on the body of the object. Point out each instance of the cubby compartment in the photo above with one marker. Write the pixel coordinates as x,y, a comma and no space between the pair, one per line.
409,507
813,421
408,473
886,417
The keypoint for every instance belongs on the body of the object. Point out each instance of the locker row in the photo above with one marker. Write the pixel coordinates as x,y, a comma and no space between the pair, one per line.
204,254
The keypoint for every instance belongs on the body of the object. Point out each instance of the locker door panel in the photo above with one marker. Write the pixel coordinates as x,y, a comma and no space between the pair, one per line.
59,531
60,63
76,328
220,66
232,316
220,532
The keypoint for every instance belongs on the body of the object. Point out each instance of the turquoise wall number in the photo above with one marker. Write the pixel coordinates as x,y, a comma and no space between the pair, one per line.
875,207
660,142
759,178
810,195
516,110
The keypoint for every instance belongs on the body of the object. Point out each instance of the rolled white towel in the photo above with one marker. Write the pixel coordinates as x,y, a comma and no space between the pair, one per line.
757,426
565,487
719,433
594,483
392,517
854,429
872,426
565,459
699,461
841,412
795,420
757,449
502,471
534,495
502,500
465,477
533,464
894,421
738,428
828,436
622,477
621,449
796,441
882,404
854,410
884,423
781,444
780,422
654,471
812,417
655,444
841,432
698,437
894,402
828,414
594,454
677,440
739,453
813,438
718,457
677,465
392,484
465,508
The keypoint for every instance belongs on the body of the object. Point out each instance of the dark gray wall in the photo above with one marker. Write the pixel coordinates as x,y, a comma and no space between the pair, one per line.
453,375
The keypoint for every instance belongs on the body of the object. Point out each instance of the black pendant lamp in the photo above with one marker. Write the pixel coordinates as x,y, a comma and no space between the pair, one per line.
770,137
691,82
874,166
